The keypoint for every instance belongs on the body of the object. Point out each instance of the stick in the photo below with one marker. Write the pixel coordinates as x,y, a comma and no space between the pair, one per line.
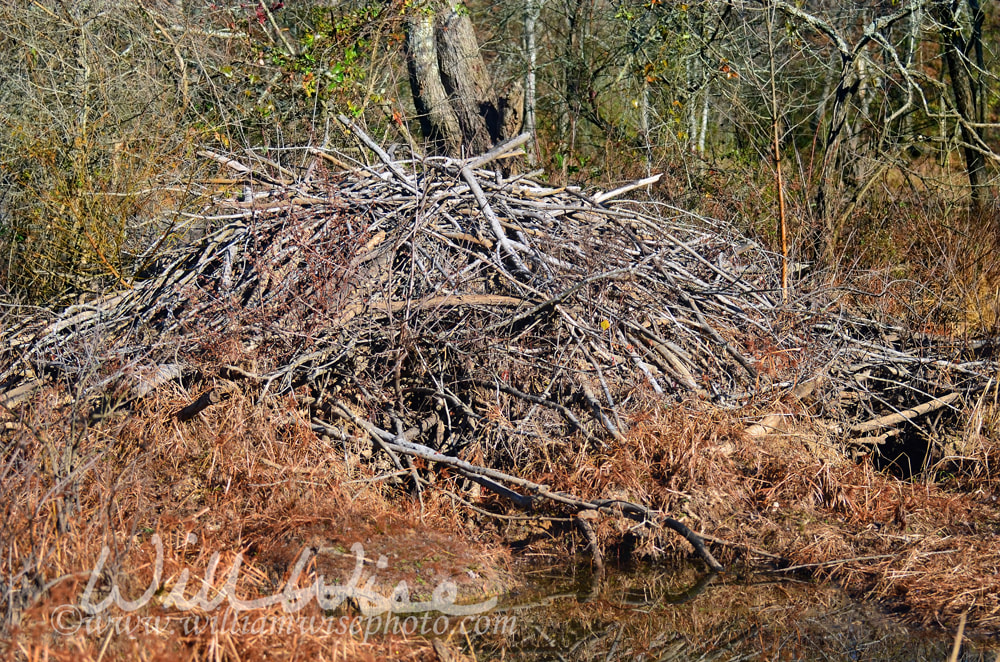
621,190
894,419
491,216
156,378
236,166
380,153
593,544
332,159
207,399
499,151
20,393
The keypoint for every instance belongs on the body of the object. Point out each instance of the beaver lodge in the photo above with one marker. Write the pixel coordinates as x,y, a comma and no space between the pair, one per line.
428,354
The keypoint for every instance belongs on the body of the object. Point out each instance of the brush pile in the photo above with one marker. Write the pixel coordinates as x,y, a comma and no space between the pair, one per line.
447,315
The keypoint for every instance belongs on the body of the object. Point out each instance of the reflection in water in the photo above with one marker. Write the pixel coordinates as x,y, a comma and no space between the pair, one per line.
657,614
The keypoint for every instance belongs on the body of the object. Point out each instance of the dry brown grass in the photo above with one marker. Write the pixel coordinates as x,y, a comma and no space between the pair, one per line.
925,547
245,479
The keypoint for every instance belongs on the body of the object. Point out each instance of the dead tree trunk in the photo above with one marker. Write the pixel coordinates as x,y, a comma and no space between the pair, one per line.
438,122
459,109
469,85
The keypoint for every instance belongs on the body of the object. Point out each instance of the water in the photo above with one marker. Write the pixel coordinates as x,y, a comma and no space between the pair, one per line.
655,613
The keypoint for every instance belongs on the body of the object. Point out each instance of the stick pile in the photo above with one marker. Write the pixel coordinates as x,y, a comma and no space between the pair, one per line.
433,307
439,257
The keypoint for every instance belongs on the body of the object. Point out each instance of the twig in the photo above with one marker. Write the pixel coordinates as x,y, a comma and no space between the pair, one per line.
380,153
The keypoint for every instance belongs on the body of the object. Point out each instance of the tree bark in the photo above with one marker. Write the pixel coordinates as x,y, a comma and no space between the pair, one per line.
830,178
469,85
437,120
459,110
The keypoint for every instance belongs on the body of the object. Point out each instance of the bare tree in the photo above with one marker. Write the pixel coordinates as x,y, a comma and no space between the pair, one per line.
532,10
962,46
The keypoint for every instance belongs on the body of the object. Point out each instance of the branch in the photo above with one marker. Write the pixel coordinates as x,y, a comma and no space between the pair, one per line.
817,24
901,417
399,444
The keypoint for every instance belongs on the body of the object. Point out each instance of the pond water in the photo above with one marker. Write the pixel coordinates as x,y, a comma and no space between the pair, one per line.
680,613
